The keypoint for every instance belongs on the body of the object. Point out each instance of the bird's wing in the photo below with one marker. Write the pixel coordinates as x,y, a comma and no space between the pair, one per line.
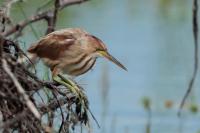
53,45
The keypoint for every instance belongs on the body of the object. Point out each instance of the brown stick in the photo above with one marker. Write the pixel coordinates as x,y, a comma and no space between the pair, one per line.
52,20
1,45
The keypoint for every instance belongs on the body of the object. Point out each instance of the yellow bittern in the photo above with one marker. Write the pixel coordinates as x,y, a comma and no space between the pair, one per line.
70,51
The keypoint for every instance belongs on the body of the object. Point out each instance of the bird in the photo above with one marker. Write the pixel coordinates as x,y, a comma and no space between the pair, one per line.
70,51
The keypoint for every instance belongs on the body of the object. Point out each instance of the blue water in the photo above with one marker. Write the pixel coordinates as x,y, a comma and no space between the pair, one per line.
153,39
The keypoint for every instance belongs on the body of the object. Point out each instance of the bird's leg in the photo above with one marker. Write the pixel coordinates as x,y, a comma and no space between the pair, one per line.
55,76
73,84
74,88
60,81
55,72
66,80
67,83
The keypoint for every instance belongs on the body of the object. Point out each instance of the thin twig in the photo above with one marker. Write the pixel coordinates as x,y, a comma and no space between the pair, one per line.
195,33
61,111
53,18
1,45
53,105
94,118
8,4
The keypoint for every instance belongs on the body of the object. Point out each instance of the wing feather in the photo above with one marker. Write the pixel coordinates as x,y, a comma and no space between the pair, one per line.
53,45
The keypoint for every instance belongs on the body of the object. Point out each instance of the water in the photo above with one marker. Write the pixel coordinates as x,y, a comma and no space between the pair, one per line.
153,39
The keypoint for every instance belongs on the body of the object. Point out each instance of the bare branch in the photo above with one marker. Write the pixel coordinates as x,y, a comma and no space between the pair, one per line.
55,104
1,45
65,3
8,4
195,33
21,25
42,16
52,20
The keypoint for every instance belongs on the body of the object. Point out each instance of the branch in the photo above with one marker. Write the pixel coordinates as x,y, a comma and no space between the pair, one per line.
1,45
195,33
65,3
52,106
52,20
41,16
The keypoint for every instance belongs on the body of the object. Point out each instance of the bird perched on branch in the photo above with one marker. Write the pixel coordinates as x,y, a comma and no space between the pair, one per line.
70,51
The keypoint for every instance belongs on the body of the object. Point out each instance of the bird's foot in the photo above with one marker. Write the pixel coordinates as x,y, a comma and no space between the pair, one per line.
73,87
67,80
64,83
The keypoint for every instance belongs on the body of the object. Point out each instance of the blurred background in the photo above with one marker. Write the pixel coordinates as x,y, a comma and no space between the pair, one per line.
154,40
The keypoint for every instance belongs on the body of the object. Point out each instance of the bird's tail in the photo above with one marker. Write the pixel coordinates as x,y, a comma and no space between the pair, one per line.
28,60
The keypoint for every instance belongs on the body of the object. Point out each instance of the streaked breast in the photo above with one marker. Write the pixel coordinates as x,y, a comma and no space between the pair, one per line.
81,67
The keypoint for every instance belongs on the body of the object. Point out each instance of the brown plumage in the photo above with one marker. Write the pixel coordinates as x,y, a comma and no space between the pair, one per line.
72,51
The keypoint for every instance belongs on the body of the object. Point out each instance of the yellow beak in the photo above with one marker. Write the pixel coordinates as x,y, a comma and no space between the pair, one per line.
112,59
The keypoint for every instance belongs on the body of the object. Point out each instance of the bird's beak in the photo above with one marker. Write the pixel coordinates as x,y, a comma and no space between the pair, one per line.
112,59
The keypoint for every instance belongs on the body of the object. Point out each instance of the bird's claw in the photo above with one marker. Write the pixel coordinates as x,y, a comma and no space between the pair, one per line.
72,86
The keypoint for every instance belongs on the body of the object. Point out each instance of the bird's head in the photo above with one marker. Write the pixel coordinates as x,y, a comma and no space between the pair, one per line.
99,49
